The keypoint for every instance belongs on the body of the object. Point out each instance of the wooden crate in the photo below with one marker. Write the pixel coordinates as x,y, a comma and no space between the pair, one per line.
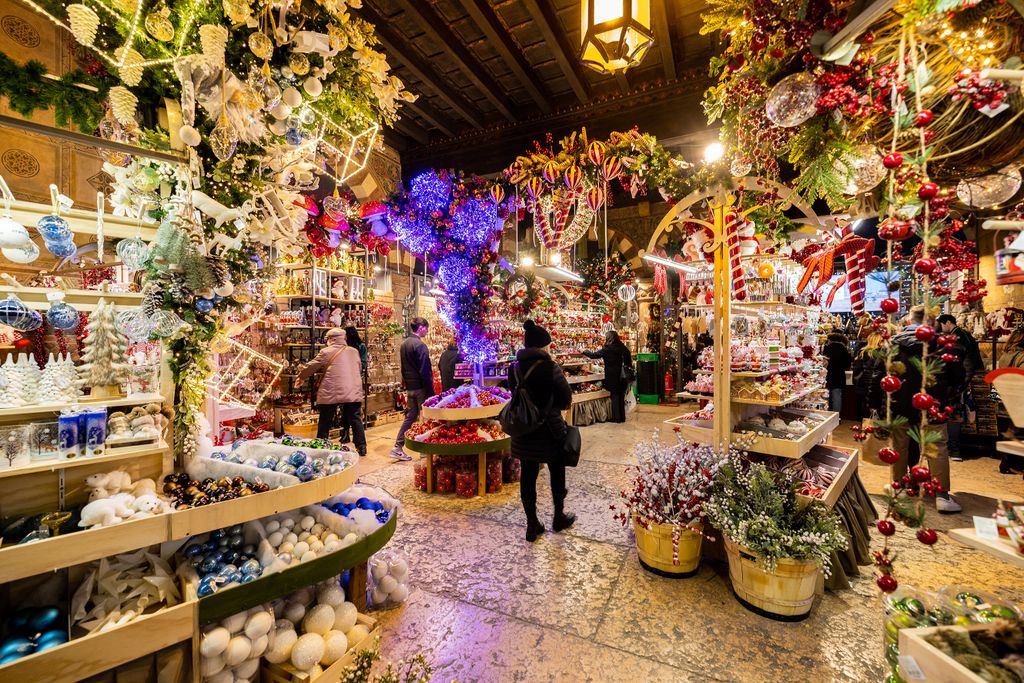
789,448
286,673
936,666
301,431
846,472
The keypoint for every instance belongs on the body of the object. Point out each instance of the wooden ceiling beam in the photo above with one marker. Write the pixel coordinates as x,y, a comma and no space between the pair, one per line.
663,37
431,116
487,20
547,23
436,27
418,65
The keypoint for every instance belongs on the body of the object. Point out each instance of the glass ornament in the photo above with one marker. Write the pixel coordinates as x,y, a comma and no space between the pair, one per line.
293,136
223,138
13,312
159,26
626,292
12,233
990,190
793,100
306,116
261,45
62,249
168,324
204,305
23,254
61,316
299,63
862,169
271,94
740,167
54,228
135,324
133,253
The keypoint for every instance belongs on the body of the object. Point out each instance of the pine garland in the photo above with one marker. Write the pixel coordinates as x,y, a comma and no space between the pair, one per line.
27,91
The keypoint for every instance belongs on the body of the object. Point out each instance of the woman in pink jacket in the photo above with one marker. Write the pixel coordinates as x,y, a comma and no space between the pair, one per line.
342,384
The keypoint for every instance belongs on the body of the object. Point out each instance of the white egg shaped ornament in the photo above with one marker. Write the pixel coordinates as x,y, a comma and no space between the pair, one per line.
319,619
238,651
247,670
225,676
313,87
190,136
12,233
259,646
279,649
335,647
400,594
236,622
307,651
356,634
292,97
332,595
215,642
345,617
22,255
259,624
209,666
294,612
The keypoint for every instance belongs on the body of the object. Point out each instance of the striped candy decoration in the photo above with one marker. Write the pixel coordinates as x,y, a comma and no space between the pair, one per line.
497,193
855,279
535,186
595,152
550,171
573,179
739,285
595,197
611,168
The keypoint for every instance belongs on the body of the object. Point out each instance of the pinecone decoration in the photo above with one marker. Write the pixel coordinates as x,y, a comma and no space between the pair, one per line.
123,102
83,22
131,72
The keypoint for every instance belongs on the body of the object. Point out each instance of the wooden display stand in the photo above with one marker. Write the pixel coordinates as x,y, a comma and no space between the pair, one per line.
480,450
934,665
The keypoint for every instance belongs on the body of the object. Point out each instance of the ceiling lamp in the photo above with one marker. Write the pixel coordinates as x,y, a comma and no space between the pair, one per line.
616,33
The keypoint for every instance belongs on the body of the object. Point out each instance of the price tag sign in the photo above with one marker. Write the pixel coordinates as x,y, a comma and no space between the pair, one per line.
985,527
910,669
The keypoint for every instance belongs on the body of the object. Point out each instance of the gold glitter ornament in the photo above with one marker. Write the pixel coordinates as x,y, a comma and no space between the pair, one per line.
299,63
159,26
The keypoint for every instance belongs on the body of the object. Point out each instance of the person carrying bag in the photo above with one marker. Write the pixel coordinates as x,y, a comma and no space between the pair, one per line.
540,435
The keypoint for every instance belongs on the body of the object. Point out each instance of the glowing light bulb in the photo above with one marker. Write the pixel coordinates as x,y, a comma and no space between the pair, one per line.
714,152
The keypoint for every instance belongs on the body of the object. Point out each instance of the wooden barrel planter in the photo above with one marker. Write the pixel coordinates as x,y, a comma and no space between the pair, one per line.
654,546
785,594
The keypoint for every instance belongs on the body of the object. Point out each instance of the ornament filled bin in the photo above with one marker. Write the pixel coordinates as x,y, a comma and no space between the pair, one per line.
654,547
786,594
286,673
307,431
444,477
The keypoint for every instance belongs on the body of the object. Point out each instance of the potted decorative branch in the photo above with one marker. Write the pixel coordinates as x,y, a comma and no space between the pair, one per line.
776,544
665,504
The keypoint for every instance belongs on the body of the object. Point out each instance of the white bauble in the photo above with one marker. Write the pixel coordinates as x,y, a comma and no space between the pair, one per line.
315,546
379,569
214,642
281,111
190,136
379,596
23,255
300,549
225,290
273,525
275,539
335,647
331,537
13,234
332,595
238,651
317,529
319,619
294,612
288,523
308,556
313,87
307,651
285,548
246,671
236,622
400,594
259,646
208,666
332,546
292,97
345,617
291,538
259,624
356,634
304,595
307,522
304,536
388,584
225,676
399,569
280,647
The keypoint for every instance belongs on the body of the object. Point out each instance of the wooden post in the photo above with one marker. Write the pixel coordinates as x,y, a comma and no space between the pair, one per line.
357,587
481,465
722,292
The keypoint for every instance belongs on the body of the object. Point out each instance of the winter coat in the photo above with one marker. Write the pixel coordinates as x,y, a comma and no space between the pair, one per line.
343,377
446,366
416,371
550,392
948,382
868,371
615,356
839,361
973,362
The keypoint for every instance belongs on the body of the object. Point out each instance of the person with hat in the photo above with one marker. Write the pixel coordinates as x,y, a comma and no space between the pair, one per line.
341,384
550,392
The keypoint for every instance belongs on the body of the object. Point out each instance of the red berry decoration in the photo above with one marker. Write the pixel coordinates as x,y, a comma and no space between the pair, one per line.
891,383
927,190
886,527
923,118
924,333
889,456
893,160
927,536
920,473
889,305
950,357
922,401
925,266
887,583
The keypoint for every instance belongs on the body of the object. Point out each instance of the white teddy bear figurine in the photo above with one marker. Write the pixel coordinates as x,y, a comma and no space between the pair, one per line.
146,506
106,511
107,484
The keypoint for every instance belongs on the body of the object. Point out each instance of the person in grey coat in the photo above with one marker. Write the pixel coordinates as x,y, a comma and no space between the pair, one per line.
342,385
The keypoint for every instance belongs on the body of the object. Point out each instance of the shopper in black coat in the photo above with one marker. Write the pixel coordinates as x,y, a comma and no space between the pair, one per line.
550,392
446,366
837,351
616,357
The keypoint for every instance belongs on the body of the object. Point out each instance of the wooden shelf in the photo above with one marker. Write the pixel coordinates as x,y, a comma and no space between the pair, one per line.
846,472
777,404
586,378
694,396
1003,548
790,448
85,402
309,266
81,299
84,222
111,455
329,299
590,396
763,373
495,446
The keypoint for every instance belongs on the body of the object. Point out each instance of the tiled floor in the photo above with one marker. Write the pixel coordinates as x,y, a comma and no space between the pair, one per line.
488,606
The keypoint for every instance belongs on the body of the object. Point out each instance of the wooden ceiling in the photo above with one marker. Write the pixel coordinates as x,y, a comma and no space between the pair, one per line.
493,75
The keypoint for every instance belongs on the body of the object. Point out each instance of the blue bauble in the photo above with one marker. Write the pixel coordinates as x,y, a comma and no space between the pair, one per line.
383,516
335,469
19,620
363,503
304,472
196,561
209,566
218,534
236,540
17,646
235,529
50,644
61,249
206,589
251,462
318,464
293,136
44,619
344,512
235,458
210,546
246,578
56,637
232,556
298,458
218,455
377,506
204,305
54,229
193,550
10,658
62,317
251,567
285,468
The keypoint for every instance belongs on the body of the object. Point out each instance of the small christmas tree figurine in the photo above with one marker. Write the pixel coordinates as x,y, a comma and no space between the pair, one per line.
59,381
8,390
30,375
104,365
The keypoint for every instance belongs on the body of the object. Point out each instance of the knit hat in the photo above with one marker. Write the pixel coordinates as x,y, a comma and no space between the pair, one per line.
535,336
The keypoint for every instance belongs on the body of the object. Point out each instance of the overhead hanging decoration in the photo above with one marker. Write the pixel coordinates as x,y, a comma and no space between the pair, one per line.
616,34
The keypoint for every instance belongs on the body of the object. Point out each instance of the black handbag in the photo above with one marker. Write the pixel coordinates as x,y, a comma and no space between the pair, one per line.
572,444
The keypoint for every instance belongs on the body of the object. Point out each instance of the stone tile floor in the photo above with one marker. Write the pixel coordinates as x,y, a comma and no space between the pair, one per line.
487,606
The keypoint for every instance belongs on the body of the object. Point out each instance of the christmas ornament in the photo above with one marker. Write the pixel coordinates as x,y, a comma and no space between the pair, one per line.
991,190
261,45
893,160
213,39
766,270
131,71
53,228
895,229
12,233
887,583
922,401
190,136
313,87
862,169
61,249
133,253
83,22
159,25
793,100
223,138
920,473
927,190
204,305
925,266
924,333
123,103
740,167
626,293
60,315
888,455
889,305
292,97
923,118
299,63
886,527
927,536
891,384
24,254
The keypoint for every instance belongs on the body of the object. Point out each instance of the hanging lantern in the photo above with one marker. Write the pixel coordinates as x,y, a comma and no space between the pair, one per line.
616,34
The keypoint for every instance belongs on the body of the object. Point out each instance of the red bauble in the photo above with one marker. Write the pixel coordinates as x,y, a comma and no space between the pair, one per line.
927,190
922,401
895,229
888,455
22,344
950,357
927,536
890,305
925,266
924,333
894,160
891,383
887,583
886,527
923,118
920,473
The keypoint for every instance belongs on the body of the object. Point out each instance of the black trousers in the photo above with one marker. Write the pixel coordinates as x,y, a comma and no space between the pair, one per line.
618,399
351,417
528,487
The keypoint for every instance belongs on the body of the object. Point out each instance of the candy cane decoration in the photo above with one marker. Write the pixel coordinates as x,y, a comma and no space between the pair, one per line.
855,278
739,285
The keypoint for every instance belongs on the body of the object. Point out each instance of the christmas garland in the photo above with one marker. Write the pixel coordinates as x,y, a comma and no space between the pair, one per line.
28,90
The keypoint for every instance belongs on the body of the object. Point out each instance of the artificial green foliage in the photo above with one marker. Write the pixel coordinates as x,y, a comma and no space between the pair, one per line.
412,670
758,509
819,177
169,247
28,90
198,274
909,510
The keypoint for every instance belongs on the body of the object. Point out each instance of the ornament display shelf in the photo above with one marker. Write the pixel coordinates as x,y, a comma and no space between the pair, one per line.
694,397
762,373
585,378
793,398
29,559
285,673
935,666
590,396
80,299
1001,548
84,222
481,450
294,297
110,457
85,402
309,266
456,414
700,431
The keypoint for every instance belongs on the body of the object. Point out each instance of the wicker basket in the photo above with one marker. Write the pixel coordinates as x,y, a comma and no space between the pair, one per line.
301,431
787,593
654,546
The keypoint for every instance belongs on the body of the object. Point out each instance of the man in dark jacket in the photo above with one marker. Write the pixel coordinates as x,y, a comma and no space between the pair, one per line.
418,377
446,366
550,392
973,364
837,351
616,358
947,381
